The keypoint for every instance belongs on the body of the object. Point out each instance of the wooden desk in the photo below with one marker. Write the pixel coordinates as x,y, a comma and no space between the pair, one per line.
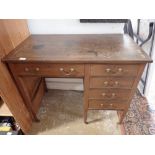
110,64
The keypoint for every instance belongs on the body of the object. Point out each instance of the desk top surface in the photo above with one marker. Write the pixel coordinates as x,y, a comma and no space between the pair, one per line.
79,48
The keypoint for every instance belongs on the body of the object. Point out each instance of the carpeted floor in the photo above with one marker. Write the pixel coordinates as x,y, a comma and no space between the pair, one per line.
62,114
140,119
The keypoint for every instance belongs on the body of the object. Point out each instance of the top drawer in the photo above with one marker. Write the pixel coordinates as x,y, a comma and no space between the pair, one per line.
54,70
114,70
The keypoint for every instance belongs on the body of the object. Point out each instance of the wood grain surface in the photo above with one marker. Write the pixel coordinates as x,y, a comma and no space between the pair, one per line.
96,48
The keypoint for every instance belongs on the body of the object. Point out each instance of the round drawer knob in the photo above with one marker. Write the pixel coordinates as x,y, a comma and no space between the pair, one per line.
37,69
26,69
113,94
120,69
72,69
108,70
61,69
116,82
103,94
101,104
111,104
105,82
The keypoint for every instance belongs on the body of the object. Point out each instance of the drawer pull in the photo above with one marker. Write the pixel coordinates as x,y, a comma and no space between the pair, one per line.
67,73
26,69
113,94
105,82
37,69
103,104
116,83
61,69
120,69
108,70
109,96
103,94
72,69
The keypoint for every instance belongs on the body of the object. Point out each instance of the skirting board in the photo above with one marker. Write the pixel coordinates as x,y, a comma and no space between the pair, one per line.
64,83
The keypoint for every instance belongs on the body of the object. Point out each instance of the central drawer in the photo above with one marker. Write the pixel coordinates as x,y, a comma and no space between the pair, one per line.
109,94
53,70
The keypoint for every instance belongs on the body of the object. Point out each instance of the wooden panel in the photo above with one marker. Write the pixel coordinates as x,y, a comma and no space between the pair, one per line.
39,94
12,98
5,41
54,70
8,89
114,70
17,30
111,82
31,84
109,94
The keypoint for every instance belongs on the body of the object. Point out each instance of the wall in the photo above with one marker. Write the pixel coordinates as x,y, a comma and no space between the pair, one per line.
70,26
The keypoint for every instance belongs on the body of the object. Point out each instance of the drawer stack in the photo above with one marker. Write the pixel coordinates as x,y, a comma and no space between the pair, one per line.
110,86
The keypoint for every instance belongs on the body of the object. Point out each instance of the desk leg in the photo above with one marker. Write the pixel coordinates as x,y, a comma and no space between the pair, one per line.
86,91
85,116
122,115
26,97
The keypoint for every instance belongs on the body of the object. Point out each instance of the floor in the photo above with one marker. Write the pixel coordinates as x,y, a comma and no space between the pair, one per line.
62,114
140,119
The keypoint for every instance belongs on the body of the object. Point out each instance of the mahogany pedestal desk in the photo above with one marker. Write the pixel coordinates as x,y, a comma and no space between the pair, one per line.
111,66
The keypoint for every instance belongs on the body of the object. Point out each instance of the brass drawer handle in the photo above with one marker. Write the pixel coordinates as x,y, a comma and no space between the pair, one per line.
72,69
37,69
103,104
67,72
116,82
120,69
61,69
109,96
113,95
108,70
103,94
105,82
26,69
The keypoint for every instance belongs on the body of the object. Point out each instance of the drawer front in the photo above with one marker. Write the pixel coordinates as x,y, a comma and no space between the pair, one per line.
55,70
101,104
111,82
114,70
109,94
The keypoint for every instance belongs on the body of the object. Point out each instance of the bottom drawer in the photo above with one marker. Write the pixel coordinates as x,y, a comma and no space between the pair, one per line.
101,104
